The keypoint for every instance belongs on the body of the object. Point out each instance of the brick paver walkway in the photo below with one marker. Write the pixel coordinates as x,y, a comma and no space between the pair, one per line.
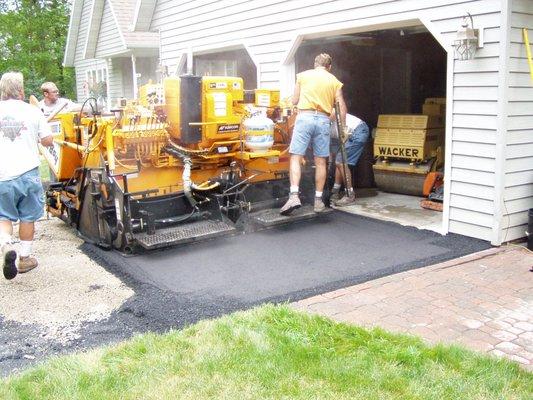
483,301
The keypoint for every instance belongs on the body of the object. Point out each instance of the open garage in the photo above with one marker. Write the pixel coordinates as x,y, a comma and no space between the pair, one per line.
398,71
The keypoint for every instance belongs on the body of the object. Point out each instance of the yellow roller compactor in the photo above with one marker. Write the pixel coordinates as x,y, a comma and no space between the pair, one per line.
189,160
407,148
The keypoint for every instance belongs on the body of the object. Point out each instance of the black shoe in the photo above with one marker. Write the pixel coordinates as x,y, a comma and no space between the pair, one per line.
10,268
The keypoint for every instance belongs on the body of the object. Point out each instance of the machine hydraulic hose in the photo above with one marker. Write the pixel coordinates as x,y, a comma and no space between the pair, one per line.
188,184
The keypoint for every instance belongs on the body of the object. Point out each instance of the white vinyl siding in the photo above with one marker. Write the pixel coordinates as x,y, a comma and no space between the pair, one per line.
109,38
518,166
105,23
82,29
116,89
81,65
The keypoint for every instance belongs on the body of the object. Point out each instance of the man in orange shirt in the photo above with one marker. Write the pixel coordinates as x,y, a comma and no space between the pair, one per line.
315,94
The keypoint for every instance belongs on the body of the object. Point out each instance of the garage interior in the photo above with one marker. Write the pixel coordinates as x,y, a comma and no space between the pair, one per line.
389,71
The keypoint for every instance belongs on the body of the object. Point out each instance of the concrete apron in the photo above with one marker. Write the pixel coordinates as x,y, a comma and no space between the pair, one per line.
399,208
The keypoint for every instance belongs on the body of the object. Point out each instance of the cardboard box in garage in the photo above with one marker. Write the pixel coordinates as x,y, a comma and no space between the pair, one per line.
434,109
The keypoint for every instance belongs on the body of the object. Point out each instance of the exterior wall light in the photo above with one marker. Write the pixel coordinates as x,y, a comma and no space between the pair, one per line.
466,40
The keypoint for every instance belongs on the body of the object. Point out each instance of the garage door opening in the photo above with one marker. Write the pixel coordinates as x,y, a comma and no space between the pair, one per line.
399,71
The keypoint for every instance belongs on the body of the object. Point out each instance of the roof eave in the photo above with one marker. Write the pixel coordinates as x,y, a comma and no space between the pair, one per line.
73,27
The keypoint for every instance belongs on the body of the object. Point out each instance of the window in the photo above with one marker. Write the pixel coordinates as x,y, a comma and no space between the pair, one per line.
227,63
96,84
216,67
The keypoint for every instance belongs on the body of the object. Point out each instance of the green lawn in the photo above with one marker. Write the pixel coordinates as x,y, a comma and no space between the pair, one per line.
272,352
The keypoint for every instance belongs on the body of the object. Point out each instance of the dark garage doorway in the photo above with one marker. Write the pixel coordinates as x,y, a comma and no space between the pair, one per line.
389,71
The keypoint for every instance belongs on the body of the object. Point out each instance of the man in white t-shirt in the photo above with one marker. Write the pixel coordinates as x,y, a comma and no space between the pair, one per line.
22,127
52,103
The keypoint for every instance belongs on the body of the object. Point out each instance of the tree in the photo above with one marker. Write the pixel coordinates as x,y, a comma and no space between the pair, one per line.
32,41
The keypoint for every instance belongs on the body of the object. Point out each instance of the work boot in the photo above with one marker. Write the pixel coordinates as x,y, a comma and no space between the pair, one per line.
9,256
346,200
292,204
27,264
319,205
336,196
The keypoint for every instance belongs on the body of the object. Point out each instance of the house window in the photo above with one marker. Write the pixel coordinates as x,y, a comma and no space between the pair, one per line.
227,63
216,67
96,84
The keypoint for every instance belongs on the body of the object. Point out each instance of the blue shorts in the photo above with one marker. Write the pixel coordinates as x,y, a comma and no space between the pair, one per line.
311,128
21,199
354,145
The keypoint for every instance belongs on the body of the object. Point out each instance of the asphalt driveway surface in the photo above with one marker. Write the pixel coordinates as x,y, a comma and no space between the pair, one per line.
176,287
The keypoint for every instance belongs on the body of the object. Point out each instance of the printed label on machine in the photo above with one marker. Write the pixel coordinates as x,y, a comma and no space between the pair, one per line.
218,85
228,128
220,104
263,100
398,152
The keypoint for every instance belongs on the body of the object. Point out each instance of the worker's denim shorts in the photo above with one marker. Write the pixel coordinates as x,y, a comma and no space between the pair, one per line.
354,145
21,199
311,128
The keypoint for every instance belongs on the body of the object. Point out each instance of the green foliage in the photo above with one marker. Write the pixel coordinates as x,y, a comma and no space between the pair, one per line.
272,352
32,41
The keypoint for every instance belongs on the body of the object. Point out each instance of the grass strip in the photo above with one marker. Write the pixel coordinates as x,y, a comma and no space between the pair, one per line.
272,352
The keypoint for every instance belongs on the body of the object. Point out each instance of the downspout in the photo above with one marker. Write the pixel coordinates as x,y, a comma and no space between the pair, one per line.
502,122
134,73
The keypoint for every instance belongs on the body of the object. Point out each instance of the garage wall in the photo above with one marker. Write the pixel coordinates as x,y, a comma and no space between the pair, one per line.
518,165
268,28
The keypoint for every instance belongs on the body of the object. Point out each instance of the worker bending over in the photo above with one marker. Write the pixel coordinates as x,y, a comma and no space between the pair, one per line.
315,94
354,140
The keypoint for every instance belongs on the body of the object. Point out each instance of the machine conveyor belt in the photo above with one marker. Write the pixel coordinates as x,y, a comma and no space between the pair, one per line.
195,231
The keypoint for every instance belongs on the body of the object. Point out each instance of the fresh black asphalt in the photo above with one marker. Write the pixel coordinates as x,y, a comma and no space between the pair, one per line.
178,286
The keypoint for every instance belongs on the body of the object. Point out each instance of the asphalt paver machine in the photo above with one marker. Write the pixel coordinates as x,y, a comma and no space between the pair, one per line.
186,161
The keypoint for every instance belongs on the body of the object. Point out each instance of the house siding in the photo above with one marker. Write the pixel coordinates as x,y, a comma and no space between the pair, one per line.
518,165
110,40
81,65
268,30
114,70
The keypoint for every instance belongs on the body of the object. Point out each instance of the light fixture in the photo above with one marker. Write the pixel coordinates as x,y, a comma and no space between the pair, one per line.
467,39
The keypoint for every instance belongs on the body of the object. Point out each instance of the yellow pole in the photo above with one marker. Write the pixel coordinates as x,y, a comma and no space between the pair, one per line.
528,52
110,147
74,146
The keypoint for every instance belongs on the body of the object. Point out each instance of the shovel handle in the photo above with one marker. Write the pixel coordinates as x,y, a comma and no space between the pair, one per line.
340,131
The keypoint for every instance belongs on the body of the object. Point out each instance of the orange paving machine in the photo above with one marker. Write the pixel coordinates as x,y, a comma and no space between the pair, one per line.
188,160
